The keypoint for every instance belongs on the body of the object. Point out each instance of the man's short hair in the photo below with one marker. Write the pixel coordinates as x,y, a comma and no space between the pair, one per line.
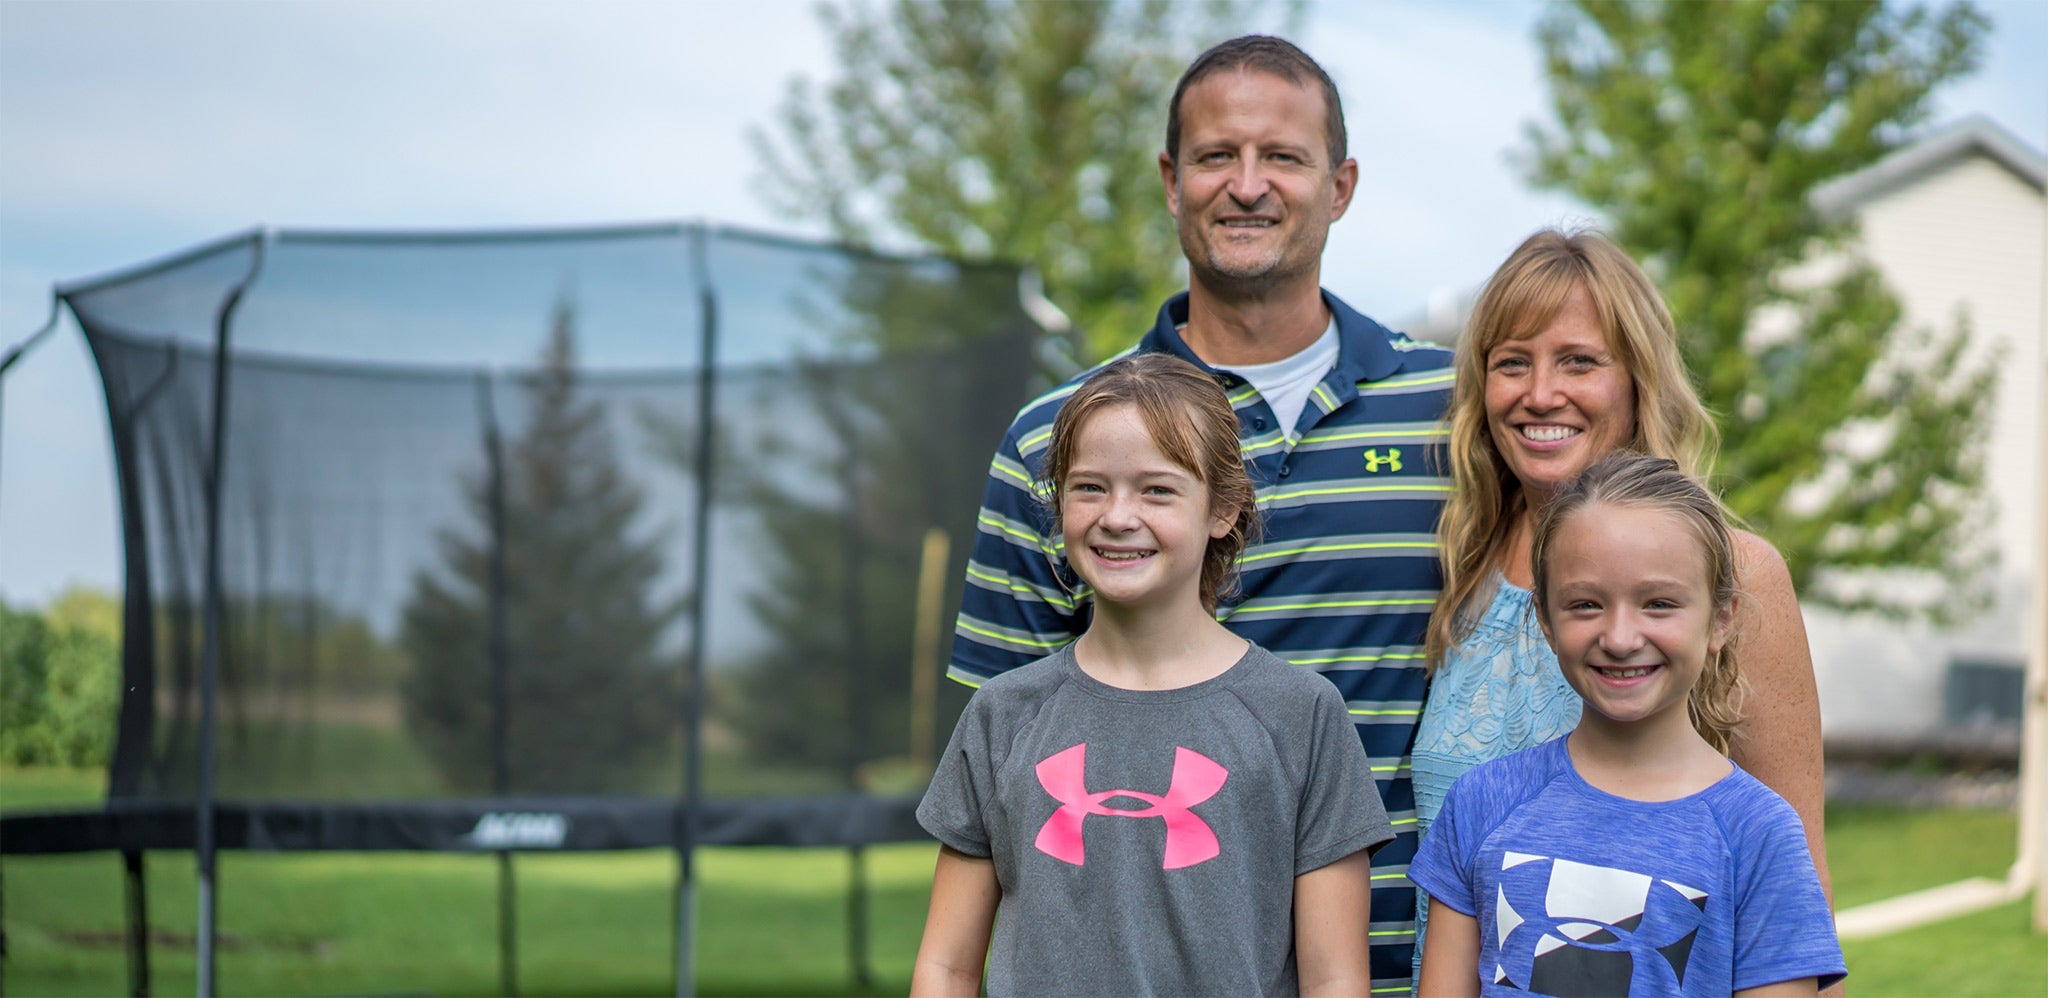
1266,54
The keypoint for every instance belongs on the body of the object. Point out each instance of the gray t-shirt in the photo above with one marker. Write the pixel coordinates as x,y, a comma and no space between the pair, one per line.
1146,842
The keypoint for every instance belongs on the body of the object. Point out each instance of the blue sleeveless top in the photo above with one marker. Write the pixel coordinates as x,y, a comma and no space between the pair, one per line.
1497,692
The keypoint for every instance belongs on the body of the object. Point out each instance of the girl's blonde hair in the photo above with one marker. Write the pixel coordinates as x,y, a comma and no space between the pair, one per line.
1625,480
1523,297
1190,420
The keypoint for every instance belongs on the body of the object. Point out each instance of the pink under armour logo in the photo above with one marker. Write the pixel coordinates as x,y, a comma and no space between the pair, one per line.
1189,840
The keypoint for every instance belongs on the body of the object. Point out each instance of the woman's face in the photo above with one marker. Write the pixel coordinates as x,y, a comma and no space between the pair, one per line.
1559,400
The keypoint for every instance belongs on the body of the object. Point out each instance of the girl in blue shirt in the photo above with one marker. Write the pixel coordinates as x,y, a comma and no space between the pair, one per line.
1629,856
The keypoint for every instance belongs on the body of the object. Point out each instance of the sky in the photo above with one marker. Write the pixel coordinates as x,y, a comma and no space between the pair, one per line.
131,130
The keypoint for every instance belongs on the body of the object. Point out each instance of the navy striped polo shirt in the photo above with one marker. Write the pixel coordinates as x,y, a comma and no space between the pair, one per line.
1342,580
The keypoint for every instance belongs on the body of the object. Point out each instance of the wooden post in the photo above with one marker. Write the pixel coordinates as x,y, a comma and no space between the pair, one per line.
924,648
2032,860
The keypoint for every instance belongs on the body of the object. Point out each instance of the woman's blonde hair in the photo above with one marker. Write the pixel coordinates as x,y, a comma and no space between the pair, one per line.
1190,420
1523,297
1625,480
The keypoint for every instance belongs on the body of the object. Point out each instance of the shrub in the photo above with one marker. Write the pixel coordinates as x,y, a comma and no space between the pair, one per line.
60,681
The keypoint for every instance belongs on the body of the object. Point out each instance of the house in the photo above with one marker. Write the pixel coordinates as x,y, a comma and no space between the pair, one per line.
1958,225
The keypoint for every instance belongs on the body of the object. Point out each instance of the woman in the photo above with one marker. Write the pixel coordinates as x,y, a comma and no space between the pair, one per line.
1569,356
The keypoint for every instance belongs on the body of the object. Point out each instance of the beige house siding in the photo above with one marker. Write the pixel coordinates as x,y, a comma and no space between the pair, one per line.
1966,233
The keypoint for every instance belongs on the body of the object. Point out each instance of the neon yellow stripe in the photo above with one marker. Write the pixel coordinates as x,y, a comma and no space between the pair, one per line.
1389,876
1313,548
1019,477
1014,585
1405,821
1396,990
1335,604
1244,393
970,684
1387,769
1322,392
1391,932
1395,656
1019,587
1025,535
1427,379
1362,712
1323,438
999,636
1025,443
1277,496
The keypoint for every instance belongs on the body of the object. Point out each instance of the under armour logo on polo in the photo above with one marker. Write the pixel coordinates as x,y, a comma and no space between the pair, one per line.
1375,463
1189,840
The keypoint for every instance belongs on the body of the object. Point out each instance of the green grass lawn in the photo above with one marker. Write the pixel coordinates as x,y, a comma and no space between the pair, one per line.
771,921
1876,853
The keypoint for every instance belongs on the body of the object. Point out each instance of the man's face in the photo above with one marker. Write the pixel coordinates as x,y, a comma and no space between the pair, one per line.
1254,191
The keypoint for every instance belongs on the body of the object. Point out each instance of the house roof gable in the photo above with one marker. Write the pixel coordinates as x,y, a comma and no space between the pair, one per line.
1909,164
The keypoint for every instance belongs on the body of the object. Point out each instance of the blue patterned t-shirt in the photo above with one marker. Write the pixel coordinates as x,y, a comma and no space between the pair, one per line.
1579,892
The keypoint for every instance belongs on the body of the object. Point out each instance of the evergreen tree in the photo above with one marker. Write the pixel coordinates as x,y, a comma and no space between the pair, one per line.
1701,130
884,416
1021,131
593,698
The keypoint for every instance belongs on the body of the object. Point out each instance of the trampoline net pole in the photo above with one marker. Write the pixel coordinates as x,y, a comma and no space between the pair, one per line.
508,927
857,918
19,350
856,708
499,654
138,922
213,637
700,561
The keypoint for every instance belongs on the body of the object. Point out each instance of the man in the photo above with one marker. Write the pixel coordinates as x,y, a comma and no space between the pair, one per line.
1339,428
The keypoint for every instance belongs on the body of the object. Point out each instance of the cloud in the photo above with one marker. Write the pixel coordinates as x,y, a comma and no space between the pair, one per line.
219,114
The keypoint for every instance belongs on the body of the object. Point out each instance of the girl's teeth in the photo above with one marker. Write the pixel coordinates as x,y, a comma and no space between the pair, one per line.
1547,434
1629,673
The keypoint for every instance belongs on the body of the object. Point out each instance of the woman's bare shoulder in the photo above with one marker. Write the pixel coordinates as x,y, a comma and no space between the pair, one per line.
1759,567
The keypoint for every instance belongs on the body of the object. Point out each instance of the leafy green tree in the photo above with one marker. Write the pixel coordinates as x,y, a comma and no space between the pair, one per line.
593,697
1701,130
60,681
986,129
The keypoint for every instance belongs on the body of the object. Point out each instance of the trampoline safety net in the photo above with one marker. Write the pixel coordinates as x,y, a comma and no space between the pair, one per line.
463,577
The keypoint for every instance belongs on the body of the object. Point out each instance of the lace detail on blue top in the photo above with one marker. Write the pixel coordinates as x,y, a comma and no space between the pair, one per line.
1498,692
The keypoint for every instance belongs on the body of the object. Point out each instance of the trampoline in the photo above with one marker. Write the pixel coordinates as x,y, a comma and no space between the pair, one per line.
595,539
